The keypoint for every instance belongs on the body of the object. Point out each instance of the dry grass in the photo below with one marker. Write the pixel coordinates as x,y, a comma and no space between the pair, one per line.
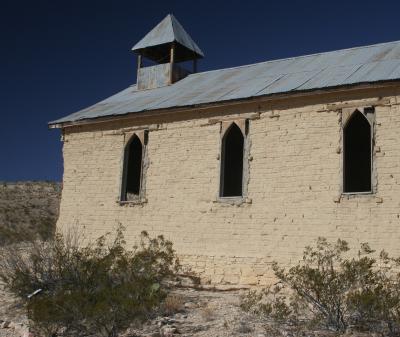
173,304
208,313
244,327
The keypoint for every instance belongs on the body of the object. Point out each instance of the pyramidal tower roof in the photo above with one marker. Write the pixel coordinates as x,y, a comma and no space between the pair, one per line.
167,31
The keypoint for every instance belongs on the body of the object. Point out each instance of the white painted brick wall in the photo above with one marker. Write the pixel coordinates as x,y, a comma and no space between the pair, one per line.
294,180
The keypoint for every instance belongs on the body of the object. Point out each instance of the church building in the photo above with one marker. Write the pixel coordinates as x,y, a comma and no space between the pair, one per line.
242,166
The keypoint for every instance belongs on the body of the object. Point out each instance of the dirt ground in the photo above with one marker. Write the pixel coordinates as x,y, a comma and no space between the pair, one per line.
206,314
202,313
13,321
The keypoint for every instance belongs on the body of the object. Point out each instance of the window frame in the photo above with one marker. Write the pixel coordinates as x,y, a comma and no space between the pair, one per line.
244,126
140,198
370,115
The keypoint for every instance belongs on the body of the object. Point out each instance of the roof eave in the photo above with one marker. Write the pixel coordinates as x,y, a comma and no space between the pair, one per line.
292,94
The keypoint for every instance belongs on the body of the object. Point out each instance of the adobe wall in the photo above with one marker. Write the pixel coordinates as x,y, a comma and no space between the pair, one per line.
294,183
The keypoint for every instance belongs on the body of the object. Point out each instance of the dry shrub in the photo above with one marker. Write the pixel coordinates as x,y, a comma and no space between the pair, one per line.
98,289
328,289
173,303
271,302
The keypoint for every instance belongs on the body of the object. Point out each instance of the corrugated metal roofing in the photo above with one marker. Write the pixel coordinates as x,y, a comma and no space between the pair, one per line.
167,31
380,62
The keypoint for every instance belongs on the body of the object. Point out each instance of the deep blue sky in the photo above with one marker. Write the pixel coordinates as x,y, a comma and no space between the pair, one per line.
57,57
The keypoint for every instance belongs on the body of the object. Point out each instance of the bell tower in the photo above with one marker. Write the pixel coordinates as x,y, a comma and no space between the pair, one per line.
165,47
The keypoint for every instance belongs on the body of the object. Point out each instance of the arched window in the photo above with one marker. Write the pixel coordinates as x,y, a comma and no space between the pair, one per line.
232,162
357,137
132,173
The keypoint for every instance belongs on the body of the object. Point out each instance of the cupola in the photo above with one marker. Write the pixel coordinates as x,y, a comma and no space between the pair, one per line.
166,47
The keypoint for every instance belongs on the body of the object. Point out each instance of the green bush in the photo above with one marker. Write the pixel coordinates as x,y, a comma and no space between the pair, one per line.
331,289
97,289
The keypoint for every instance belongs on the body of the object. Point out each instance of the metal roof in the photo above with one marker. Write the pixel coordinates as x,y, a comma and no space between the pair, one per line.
380,62
167,31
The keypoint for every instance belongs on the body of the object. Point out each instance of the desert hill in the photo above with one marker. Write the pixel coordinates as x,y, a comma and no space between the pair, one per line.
28,209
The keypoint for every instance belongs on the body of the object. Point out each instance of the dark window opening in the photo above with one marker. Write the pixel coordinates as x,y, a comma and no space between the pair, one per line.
232,162
357,154
132,169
